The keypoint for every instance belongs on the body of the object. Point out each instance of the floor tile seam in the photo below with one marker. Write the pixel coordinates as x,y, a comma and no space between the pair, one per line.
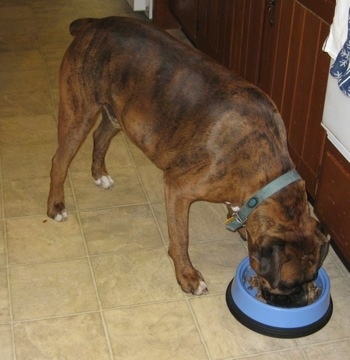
52,98
196,323
6,148
339,276
9,293
164,237
29,143
21,53
25,71
104,325
34,90
144,304
218,239
303,352
323,342
149,202
338,264
54,317
7,179
47,262
110,207
278,351
83,210
9,289
76,170
127,146
43,216
136,168
132,251
93,277
27,178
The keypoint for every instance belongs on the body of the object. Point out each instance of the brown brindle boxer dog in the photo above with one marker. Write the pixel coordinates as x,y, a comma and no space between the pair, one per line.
216,137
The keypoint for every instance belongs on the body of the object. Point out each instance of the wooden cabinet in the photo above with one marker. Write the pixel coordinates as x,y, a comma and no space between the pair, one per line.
228,30
293,71
333,200
186,12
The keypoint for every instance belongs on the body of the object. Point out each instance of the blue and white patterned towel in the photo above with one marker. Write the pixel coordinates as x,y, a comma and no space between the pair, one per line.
341,67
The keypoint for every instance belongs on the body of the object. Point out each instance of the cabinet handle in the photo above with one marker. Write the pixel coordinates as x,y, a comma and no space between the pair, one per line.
270,11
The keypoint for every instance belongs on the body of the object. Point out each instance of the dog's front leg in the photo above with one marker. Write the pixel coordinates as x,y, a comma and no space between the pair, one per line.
177,206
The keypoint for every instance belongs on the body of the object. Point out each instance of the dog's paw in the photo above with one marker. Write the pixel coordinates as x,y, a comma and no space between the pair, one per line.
61,216
193,283
105,182
202,289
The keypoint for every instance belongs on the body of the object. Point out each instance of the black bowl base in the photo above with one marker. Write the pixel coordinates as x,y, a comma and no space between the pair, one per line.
277,332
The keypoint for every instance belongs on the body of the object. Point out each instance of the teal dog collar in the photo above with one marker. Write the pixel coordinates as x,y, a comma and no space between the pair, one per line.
241,216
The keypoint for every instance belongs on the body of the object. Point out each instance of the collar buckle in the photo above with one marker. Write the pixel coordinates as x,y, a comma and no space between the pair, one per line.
240,217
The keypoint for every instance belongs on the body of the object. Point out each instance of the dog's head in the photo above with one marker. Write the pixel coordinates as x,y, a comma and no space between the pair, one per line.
286,246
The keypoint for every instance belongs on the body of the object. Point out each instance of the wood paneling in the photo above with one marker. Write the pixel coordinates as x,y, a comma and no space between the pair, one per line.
247,19
333,201
322,8
186,12
162,16
294,73
229,31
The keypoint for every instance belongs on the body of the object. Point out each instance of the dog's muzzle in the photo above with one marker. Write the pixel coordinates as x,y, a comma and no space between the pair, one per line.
297,298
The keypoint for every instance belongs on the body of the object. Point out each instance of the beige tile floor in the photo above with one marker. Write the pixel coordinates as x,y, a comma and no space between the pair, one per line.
101,286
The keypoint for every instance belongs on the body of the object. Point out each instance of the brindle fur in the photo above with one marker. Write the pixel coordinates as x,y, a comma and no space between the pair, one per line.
216,137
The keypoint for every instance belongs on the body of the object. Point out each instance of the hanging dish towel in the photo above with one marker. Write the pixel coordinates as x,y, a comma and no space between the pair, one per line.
338,45
341,67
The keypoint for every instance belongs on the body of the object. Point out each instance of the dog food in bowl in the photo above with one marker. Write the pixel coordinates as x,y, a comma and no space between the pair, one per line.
312,293
245,301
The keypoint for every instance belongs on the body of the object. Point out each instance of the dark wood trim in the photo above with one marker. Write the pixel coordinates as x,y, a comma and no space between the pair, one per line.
340,254
162,16
322,8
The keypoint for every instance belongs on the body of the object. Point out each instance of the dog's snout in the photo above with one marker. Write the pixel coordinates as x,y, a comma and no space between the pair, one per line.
296,297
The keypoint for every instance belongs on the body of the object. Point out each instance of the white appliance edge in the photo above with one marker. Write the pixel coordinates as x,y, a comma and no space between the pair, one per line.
336,117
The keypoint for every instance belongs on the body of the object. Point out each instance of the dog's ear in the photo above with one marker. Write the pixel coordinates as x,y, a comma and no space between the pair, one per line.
271,259
243,233
321,234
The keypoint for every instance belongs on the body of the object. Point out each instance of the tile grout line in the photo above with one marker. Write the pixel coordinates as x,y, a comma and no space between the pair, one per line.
195,320
149,203
104,325
185,297
7,266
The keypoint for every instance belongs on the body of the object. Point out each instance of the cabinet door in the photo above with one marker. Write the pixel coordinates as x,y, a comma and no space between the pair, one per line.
186,13
245,24
294,72
333,200
230,31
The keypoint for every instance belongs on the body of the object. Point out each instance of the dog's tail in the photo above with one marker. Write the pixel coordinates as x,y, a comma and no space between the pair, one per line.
79,24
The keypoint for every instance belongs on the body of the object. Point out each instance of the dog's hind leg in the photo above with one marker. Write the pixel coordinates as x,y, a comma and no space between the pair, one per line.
103,135
73,127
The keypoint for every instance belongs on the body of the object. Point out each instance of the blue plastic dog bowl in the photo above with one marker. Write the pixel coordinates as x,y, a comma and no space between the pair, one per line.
272,320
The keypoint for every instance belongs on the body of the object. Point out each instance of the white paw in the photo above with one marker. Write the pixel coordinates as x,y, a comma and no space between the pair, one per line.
202,288
105,182
62,216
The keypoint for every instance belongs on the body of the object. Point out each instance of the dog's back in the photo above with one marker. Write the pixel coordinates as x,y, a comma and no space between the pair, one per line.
129,65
